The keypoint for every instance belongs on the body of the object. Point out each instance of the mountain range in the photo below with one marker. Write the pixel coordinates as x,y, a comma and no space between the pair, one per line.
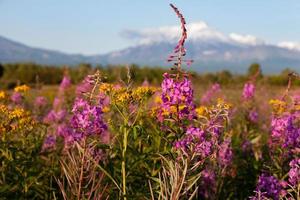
209,54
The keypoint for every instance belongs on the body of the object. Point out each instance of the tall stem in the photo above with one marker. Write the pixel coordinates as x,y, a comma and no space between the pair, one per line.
125,136
81,170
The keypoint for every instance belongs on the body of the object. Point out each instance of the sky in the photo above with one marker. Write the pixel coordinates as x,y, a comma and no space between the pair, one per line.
99,26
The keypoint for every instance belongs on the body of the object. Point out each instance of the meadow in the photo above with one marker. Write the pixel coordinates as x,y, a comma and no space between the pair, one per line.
174,136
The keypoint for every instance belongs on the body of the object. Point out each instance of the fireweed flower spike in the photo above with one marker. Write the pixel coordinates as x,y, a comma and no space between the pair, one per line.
179,51
177,93
294,173
58,115
198,139
269,187
88,86
40,107
253,116
249,87
49,142
16,98
84,87
284,142
65,83
58,112
290,77
225,153
210,93
87,119
208,183
18,95
284,132
40,101
177,99
248,91
176,112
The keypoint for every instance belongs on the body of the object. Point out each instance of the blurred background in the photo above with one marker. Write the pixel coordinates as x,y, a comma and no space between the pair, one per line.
40,39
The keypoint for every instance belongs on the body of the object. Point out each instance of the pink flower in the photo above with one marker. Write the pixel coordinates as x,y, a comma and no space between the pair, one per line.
294,173
65,83
249,91
225,153
40,101
178,94
87,119
209,94
16,97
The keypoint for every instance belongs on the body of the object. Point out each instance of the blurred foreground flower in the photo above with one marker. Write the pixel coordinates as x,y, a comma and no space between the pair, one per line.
16,97
249,91
2,95
22,88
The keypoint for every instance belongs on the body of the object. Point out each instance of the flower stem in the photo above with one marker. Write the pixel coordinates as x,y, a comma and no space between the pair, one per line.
125,140
81,170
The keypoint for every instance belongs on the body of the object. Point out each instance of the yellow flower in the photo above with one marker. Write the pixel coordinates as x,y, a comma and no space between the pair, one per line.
3,109
22,88
227,106
142,92
157,100
201,111
181,107
221,104
105,87
165,112
2,94
118,90
17,113
297,107
15,119
171,110
220,101
278,106
123,97
105,109
153,111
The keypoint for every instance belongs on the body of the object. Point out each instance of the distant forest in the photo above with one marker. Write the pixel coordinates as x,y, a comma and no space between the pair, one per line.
31,74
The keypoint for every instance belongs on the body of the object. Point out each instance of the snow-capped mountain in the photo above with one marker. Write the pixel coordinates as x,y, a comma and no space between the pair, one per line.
211,51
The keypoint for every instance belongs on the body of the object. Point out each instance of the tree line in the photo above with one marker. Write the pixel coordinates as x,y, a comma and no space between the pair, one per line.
31,73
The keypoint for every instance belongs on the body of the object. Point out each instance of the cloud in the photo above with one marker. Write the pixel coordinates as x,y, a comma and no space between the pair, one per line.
196,31
245,39
145,36
289,45
199,31
209,52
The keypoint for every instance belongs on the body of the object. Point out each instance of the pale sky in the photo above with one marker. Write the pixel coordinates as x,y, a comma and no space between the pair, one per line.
98,26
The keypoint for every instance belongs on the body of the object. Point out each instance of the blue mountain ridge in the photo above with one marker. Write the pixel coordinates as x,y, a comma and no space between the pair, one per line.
208,55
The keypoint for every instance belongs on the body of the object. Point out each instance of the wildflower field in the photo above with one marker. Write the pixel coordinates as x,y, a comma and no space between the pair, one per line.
175,140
